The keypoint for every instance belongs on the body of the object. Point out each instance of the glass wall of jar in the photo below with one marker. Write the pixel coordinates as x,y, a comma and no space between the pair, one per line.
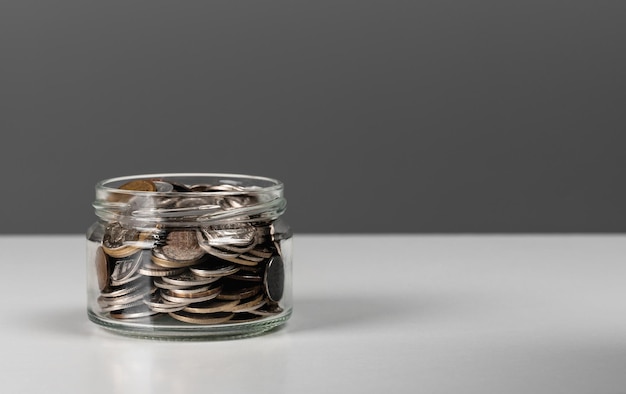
189,256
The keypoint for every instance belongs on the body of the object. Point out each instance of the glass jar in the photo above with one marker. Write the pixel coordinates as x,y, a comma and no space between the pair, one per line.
189,256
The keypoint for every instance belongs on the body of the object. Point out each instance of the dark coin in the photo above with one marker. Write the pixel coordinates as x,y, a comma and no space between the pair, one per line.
247,276
261,252
274,278
244,317
236,290
133,312
267,310
179,187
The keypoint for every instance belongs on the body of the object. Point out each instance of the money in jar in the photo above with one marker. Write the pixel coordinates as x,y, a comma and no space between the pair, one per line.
189,256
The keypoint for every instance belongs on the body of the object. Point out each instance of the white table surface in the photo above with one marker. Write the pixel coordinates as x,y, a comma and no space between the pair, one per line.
373,314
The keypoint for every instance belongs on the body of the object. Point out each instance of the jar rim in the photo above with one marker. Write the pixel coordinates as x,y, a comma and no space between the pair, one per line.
271,184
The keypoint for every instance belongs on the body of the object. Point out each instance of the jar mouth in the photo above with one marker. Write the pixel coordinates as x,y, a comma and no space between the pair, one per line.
259,183
187,199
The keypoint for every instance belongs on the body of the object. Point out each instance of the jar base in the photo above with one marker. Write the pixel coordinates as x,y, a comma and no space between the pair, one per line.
147,329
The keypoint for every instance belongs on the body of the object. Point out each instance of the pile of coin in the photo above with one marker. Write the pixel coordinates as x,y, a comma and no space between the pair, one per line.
207,274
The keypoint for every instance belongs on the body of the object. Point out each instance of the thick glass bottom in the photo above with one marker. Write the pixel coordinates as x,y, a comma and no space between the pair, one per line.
166,328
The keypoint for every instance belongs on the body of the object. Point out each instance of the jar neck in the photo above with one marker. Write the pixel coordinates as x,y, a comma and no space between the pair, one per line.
190,205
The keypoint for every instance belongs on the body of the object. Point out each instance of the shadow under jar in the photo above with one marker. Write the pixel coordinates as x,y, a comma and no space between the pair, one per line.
189,256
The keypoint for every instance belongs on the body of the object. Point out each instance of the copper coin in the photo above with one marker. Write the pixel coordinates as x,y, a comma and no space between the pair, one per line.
211,306
182,245
202,318
250,304
140,185
102,269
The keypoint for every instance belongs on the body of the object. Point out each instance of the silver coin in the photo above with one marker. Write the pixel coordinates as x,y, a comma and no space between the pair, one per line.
209,294
214,267
126,298
175,299
232,234
158,282
274,278
213,251
159,304
149,269
162,186
125,269
250,257
189,292
117,307
188,279
119,291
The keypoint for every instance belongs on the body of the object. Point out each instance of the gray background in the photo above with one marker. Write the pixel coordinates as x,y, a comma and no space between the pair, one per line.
379,116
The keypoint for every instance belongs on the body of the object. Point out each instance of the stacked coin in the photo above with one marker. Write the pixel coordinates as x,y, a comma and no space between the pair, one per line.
210,274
